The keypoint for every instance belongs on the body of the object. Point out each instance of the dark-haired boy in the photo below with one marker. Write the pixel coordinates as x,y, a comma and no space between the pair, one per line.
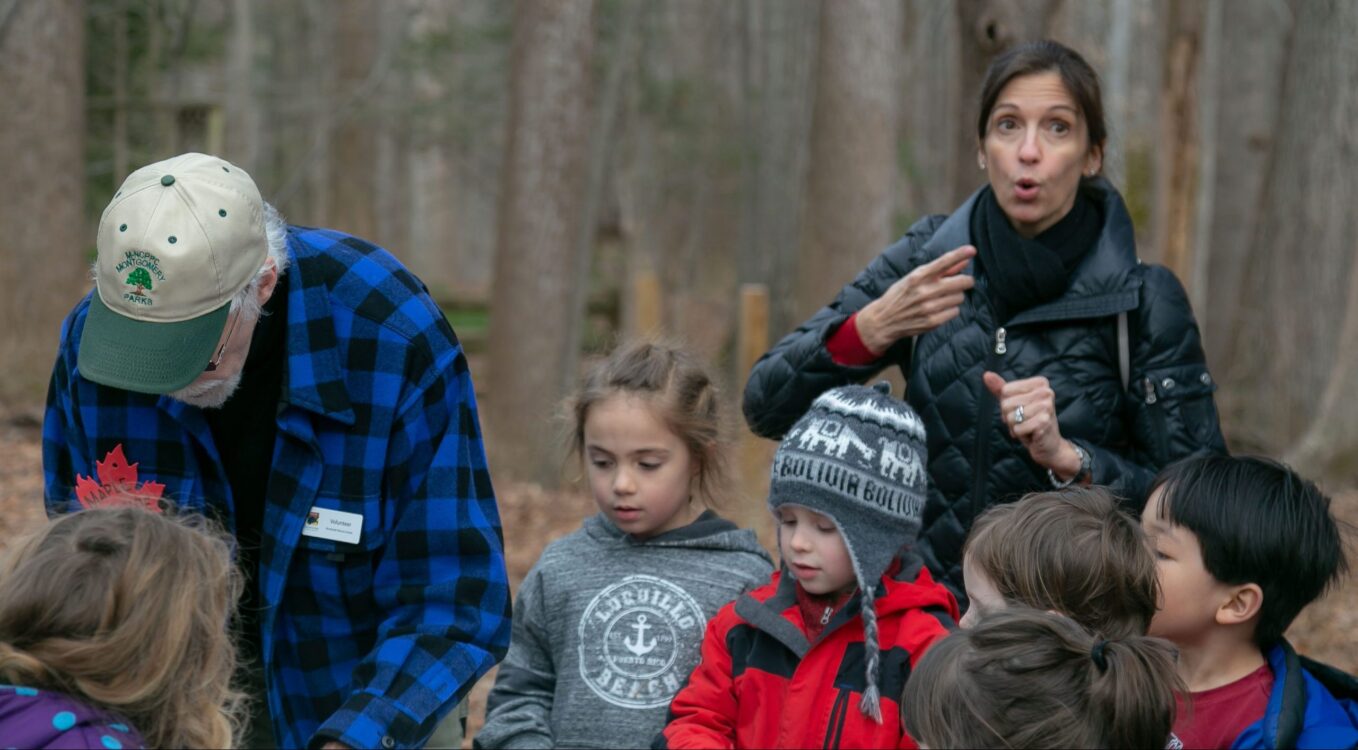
1242,545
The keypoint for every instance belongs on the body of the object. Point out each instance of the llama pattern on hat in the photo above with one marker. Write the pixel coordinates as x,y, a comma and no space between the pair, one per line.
899,462
894,415
839,446
831,436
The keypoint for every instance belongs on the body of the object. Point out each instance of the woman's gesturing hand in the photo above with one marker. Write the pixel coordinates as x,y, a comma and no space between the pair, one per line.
918,302
1028,408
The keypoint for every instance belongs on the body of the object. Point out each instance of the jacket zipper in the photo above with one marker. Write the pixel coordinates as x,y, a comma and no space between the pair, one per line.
986,410
1157,422
825,618
838,711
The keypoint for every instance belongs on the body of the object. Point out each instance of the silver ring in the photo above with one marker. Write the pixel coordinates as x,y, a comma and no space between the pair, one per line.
1018,415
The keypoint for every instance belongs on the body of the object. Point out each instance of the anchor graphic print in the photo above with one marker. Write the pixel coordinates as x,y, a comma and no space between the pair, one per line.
639,640
640,647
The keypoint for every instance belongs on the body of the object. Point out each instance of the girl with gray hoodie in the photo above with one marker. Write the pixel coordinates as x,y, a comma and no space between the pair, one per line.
609,622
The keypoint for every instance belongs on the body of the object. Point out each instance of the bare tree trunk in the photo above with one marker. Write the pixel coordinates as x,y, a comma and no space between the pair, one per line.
535,289
321,74
44,242
166,143
460,96
242,115
987,28
778,60
853,146
353,142
1117,86
929,128
1329,447
1177,169
1209,153
121,158
1290,340
621,66
389,199
1246,100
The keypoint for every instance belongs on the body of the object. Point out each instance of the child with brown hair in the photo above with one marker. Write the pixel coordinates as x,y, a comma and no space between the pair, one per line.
1023,677
113,633
608,623
1072,551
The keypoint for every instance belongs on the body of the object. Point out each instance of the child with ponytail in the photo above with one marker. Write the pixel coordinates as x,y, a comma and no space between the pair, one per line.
113,633
1025,678
608,623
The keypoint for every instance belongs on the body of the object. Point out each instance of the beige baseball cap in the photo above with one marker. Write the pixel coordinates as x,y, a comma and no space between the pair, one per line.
179,240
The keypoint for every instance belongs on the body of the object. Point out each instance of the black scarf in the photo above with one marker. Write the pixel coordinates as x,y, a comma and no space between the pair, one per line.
1024,273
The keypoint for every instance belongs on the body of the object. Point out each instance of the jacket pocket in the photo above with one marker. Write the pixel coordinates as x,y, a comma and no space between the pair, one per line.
371,534
1175,413
334,578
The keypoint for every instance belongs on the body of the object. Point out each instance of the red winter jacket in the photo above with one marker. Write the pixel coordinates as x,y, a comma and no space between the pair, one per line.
762,684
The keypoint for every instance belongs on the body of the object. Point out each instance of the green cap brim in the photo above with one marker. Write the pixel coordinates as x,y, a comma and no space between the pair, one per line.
135,355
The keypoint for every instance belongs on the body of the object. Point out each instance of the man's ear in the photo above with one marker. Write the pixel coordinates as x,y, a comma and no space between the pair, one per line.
1243,605
268,281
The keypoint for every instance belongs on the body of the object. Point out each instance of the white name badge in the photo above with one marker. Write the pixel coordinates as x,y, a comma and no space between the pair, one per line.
335,525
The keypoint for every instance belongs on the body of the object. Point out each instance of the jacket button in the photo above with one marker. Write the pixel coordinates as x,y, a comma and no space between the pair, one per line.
1206,379
1167,383
388,742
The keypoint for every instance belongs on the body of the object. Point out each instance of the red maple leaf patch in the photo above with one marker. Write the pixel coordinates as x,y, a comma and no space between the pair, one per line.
117,485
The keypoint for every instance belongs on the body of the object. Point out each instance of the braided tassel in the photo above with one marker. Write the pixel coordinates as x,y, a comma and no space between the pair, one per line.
871,705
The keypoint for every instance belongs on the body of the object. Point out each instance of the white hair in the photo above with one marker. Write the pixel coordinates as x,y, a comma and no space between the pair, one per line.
276,233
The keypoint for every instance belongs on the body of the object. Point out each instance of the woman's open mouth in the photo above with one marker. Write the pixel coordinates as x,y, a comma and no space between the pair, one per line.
1026,189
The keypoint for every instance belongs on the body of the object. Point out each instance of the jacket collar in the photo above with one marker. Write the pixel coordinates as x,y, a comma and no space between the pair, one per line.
912,587
315,380
1103,283
1286,712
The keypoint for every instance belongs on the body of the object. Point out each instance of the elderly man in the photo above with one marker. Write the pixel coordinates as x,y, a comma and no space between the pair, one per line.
301,386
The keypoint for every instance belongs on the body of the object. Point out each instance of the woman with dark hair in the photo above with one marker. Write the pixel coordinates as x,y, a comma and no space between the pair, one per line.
1035,346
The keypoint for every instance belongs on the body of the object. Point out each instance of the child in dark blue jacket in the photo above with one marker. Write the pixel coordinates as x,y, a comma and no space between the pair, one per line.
1242,545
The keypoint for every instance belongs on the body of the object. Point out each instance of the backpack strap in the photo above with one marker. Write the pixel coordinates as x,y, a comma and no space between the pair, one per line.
1124,352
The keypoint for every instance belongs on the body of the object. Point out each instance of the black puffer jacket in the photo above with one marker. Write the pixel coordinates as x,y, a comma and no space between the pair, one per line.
1165,414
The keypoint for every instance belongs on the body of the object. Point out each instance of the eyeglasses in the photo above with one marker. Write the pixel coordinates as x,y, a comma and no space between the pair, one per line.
216,361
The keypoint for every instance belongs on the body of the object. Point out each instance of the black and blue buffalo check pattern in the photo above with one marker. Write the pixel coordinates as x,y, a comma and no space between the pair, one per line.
368,643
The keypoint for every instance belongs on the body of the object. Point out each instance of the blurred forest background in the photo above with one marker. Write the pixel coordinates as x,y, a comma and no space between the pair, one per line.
563,173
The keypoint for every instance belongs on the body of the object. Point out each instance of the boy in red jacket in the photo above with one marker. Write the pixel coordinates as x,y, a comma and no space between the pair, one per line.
808,660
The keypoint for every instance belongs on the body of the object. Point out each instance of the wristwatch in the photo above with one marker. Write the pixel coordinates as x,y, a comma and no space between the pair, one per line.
1086,469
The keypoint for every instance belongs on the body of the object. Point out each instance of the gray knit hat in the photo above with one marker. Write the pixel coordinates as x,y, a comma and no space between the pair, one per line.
858,456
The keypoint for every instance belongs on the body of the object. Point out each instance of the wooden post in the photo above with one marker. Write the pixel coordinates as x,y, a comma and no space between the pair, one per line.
753,333
648,303
215,129
754,454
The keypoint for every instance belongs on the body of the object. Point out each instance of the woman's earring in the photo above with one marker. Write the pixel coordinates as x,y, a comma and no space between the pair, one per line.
981,163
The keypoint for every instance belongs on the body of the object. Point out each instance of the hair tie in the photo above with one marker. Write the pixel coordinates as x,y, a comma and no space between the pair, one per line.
1097,655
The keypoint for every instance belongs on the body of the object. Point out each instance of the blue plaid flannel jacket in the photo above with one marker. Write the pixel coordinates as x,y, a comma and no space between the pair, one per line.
368,643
